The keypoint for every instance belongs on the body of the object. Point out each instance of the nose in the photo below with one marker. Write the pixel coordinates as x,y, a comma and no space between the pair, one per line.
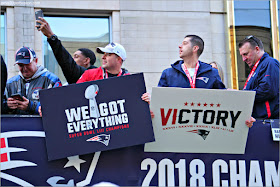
104,56
180,46
244,59
24,68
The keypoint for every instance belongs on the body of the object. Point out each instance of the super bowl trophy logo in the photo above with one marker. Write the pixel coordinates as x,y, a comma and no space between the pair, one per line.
90,94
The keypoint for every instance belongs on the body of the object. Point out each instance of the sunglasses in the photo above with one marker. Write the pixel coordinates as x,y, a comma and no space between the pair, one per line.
251,37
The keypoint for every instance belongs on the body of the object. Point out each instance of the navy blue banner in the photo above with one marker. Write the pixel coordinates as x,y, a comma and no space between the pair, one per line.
96,116
259,166
24,162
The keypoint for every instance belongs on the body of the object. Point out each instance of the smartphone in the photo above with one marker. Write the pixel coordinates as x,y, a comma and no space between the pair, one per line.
38,14
17,97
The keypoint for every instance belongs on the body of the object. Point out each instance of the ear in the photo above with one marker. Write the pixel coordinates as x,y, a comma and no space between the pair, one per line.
120,60
87,61
195,48
36,60
257,48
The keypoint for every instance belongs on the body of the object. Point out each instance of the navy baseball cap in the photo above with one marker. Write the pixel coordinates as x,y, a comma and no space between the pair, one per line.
25,55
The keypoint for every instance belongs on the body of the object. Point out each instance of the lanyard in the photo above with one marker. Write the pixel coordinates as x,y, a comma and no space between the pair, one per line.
192,81
251,73
106,74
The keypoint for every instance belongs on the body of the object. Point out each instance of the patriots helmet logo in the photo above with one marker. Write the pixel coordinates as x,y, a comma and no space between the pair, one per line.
21,54
201,132
204,79
102,138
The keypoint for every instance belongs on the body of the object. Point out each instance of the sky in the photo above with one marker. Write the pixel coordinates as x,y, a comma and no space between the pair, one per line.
78,27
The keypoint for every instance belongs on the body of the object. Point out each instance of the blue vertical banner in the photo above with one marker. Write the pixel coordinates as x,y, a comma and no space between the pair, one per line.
96,116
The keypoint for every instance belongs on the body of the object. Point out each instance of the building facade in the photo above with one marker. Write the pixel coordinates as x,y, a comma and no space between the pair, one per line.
150,31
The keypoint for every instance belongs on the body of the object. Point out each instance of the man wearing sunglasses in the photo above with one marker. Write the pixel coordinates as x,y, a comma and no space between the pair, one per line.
263,78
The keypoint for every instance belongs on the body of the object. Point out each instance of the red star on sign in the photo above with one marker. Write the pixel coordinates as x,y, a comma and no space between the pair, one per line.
218,105
192,104
205,104
186,103
211,104
198,104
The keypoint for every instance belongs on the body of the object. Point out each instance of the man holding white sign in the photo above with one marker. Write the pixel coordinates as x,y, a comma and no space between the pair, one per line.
192,112
190,72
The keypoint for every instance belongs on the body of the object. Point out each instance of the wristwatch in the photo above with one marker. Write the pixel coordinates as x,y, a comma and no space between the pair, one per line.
53,37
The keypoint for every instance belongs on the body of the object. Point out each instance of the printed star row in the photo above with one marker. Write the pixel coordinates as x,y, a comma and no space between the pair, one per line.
201,104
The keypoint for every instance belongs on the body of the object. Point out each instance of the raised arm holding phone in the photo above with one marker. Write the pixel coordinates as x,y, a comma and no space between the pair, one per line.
72,67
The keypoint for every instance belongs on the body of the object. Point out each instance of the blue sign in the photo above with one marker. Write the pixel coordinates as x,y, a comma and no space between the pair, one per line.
259,166
96,116
24,162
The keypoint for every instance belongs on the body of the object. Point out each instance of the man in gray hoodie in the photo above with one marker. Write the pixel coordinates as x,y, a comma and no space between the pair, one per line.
23,89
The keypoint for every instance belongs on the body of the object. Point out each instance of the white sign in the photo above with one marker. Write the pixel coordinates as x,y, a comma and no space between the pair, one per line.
276,134
275,129
200,120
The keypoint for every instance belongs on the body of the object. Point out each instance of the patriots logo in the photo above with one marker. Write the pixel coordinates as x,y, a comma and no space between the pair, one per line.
204,79
9,163
102,138
6,162
24,160
35,95
21,54
201,132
